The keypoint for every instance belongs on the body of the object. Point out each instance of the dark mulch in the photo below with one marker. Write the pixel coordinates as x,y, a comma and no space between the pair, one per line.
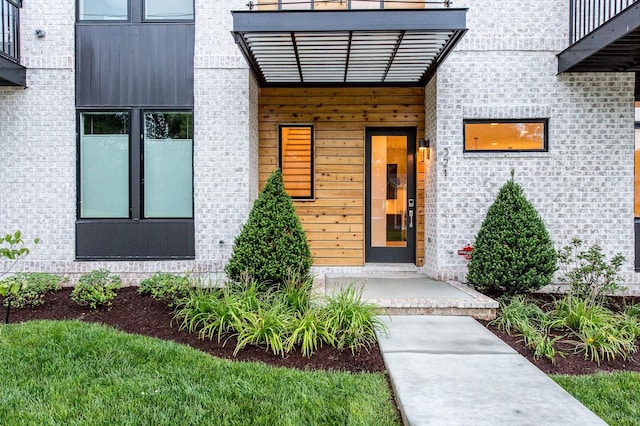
572,363
134,313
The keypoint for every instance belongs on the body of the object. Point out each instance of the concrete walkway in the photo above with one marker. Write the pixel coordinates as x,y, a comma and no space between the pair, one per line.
453,371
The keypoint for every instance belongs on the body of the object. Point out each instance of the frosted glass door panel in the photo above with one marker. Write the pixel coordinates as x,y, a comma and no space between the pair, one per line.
168,178
104,176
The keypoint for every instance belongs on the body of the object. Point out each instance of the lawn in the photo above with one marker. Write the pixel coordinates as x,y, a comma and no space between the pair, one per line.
72,373
615,397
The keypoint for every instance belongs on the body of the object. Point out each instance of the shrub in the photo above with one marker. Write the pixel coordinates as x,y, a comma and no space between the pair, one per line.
272,244
97,288
31,288
588,273
513,252
166,287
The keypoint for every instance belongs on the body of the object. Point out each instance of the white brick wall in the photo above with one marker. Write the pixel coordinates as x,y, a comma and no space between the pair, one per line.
38,167
506,68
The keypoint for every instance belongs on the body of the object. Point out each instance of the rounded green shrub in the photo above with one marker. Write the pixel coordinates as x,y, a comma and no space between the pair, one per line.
272,245
97,288
166,287
512,253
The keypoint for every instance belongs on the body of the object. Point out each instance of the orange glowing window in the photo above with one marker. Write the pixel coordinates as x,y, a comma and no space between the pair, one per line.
505,135
296,160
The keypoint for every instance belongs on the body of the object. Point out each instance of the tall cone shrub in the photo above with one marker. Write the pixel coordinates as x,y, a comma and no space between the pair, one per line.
272,245
513,252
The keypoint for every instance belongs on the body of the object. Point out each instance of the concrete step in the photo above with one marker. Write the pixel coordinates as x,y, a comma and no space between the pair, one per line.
415,294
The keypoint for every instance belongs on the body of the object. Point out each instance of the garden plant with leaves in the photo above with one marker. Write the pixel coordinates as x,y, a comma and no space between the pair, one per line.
513,252
588,273
97,288
12,249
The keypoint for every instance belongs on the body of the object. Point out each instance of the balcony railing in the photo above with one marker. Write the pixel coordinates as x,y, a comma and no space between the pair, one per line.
10,26
345,4
588,15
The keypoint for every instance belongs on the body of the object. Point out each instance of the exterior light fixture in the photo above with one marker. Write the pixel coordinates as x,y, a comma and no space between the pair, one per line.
424,148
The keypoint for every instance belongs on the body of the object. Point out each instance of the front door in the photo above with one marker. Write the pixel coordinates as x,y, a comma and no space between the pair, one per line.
390,212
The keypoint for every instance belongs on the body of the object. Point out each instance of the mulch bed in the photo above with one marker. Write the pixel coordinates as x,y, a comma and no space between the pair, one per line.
138,314
570,362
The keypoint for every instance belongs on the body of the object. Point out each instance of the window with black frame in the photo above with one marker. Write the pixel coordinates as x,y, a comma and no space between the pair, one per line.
107,165
505,135
120,10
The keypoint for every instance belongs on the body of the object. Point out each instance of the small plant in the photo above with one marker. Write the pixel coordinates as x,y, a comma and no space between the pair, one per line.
166,287
31,288
267,326
272,244
588,273
97,288
12,249
309,329
351,321
512,252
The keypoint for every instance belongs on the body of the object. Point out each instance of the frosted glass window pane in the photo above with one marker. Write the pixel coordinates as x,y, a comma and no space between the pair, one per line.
104,165
103,10
168,165
168,10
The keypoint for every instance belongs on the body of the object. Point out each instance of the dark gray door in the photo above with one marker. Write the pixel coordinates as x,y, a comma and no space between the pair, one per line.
390,195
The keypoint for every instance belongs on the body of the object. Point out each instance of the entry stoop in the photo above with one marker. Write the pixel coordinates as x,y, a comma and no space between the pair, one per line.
416,294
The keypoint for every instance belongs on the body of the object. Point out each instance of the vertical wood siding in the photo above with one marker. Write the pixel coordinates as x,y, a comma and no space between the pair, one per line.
334,220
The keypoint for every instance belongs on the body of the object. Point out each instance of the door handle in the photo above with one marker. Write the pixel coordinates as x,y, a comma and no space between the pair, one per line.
410,218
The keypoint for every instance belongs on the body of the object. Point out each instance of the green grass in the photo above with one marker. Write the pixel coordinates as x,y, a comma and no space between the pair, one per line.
74,373
615,397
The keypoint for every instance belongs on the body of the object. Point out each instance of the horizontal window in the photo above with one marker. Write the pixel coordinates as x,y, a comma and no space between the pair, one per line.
104,165
168,10
505,135
296,160
103,10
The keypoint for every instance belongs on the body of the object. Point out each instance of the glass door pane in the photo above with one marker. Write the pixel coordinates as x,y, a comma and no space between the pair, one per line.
389,171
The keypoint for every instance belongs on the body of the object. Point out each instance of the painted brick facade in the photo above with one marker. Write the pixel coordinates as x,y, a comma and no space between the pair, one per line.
505,67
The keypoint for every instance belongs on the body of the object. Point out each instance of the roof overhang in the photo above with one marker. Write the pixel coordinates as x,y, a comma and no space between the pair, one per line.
348,47
12,74
612,47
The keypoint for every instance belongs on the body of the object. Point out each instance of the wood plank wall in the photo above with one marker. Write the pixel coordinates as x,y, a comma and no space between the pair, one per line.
334,220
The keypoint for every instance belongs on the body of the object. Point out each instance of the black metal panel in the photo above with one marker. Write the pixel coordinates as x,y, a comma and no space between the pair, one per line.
349,20
135,240
12,74
613,47
134,64
637,244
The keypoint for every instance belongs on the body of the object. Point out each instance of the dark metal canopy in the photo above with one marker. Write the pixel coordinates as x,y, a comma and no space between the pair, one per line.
349,47
612,47
12,74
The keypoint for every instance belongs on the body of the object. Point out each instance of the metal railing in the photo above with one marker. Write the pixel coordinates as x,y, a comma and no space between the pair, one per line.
587,15
344,4
10,27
